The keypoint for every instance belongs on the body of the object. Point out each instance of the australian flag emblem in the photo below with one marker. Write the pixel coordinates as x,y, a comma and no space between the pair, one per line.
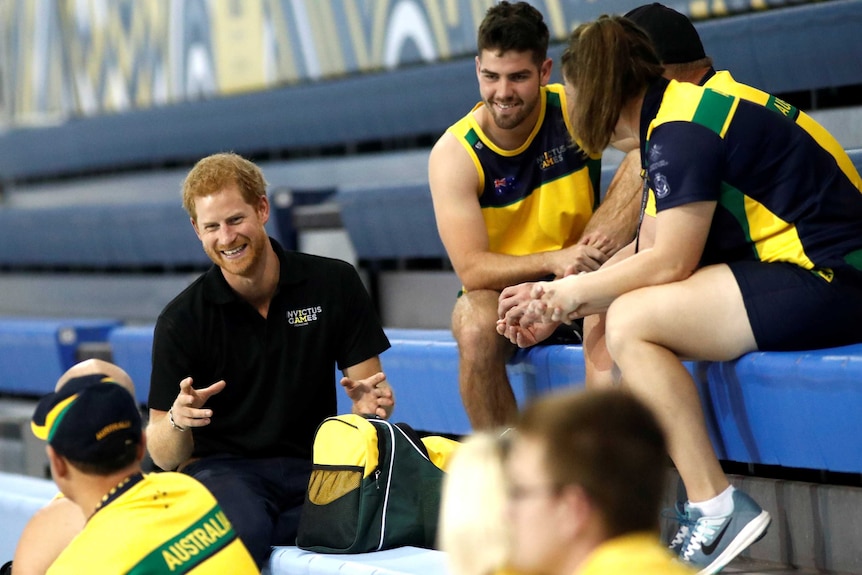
502,185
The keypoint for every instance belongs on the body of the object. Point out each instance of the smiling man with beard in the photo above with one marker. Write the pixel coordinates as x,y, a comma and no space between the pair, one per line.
243,359
513,197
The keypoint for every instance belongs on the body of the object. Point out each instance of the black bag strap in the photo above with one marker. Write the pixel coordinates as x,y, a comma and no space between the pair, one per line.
414,438
411,434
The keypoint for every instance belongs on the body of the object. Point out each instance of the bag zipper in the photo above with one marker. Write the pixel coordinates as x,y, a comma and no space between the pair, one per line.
389,427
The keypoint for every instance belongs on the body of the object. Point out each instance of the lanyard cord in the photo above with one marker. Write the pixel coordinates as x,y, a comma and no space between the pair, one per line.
644,197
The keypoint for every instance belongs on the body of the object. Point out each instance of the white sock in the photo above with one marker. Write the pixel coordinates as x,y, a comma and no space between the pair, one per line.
718,506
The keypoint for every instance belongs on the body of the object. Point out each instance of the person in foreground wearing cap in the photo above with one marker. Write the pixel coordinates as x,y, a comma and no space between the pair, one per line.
155,523
51,528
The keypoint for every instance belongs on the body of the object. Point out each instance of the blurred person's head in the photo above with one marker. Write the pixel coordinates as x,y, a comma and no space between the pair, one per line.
583,468
607,66
473,529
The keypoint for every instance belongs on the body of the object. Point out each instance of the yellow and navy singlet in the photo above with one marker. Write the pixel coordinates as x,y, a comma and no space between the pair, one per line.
780,195
723,82
156,524
540,196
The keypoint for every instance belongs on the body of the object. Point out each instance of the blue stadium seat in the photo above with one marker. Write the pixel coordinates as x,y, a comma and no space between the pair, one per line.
390,222
34,353
763,408
794,409
422,366
132,349
108,236
113,236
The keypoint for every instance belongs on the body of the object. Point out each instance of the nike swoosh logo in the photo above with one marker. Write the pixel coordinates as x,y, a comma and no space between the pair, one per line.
710,549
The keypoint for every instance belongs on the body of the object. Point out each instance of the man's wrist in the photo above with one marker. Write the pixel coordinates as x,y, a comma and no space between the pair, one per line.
174,423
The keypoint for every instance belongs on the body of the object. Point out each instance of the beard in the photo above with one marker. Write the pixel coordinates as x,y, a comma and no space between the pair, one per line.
241,266
511,120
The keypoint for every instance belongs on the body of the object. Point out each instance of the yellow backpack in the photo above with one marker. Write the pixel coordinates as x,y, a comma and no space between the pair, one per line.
373,486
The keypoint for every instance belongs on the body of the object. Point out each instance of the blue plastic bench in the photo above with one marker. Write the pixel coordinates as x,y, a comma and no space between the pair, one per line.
788,409
422,365
390,222
132,349
795,409
34,353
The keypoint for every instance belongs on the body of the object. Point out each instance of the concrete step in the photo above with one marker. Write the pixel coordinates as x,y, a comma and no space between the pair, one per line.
750,567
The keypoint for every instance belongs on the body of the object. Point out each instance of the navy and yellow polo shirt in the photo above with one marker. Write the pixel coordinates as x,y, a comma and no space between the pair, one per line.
723,82
781,196
539,196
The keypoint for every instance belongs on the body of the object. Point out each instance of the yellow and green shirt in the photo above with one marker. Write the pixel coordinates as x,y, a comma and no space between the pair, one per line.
723,82
156,524
539,196
781,195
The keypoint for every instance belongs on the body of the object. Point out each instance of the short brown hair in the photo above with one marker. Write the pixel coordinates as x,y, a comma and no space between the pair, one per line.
213,173
608,443
110,465
608,62
518,27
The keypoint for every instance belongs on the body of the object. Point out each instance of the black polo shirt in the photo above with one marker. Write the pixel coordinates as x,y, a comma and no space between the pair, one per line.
280,370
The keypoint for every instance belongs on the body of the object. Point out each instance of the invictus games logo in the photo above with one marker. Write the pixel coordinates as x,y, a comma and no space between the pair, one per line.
551,157
304,316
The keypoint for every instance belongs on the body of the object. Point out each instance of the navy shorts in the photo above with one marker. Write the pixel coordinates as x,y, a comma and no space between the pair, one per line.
793,309
262,497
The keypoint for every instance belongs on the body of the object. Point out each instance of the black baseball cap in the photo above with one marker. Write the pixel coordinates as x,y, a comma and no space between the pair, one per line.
91,419
675,38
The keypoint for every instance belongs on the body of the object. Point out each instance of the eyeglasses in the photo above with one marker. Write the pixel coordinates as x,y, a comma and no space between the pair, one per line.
521,492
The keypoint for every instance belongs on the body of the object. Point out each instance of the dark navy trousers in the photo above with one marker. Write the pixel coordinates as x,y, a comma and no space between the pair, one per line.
262,498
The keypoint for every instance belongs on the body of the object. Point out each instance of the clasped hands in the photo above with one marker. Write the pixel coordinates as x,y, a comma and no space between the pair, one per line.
529,313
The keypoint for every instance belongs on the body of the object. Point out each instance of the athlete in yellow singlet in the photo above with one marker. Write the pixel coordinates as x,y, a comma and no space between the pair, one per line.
513,198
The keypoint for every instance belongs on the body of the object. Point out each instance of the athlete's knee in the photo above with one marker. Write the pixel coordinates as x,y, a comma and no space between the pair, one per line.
624,325
474,321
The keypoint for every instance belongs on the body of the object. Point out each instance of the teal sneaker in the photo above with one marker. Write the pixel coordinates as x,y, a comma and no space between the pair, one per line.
716,541
680,514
